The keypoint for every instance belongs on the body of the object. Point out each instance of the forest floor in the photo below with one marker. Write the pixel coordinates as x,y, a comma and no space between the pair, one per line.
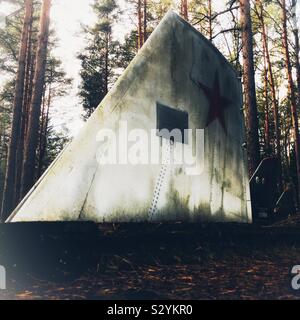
229,267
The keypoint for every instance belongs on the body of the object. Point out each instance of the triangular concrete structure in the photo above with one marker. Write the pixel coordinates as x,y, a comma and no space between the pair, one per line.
176,70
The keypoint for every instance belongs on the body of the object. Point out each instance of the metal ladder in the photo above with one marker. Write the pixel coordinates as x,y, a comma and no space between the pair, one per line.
166,163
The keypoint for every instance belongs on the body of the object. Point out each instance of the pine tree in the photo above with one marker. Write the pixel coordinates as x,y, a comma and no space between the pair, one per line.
270,82
31,143
294,112
99,59
249,87
9,187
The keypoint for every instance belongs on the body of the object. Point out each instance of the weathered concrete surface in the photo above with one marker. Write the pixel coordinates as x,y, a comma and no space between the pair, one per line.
167,70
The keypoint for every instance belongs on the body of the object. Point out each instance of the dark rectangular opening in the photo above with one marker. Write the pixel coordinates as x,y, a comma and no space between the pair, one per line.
171,119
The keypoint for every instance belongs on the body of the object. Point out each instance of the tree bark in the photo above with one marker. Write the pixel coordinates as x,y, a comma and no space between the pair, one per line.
35,105
10,175
210,20
249,87
297,47
43,132
107,41
273,89
145,21
25,106
266,97
291,90
140,25
184,9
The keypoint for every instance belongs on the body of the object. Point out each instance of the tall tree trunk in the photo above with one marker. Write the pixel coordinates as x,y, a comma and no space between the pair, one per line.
297,47
291,90
10,175
27,91
184,9
210,31
272,87
107,40
140,25
43,133
249,87
30,91
266,97
145,21
35,105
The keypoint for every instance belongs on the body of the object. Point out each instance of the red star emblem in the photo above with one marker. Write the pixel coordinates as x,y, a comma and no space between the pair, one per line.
217,103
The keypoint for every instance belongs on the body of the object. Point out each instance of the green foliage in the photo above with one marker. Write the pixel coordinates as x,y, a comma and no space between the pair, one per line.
6,98
127,50
99,59
156,11
93,86
56,77
55,141
10,37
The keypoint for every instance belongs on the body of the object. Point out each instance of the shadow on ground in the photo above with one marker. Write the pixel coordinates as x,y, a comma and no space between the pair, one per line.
150,261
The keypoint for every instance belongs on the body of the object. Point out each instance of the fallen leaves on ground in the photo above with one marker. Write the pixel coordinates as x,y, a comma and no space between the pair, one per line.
260,276
221,271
